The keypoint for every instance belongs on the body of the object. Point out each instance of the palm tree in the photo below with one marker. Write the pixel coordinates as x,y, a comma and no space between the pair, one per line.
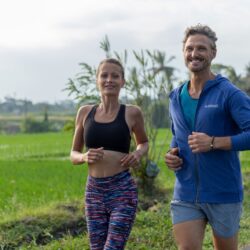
161,67
246,79
145,85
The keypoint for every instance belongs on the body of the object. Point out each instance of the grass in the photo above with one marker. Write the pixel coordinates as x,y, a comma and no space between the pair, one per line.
41,198
35,146
31,184
35,172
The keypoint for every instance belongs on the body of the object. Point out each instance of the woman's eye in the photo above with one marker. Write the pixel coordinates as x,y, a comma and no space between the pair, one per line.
116,76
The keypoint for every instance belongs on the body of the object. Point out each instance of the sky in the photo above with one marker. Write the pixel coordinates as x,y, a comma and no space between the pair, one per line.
42,42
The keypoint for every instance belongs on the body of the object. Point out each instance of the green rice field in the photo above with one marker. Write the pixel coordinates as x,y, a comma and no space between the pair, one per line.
41,197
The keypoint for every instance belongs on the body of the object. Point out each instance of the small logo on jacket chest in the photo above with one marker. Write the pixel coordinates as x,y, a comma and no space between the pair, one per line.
211,106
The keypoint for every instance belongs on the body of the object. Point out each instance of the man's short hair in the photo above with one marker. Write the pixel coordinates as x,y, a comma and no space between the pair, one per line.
202,30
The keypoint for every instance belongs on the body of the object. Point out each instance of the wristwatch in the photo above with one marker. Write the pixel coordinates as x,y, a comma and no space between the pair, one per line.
212,143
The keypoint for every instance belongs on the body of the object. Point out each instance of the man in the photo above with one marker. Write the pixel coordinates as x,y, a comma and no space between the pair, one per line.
210,124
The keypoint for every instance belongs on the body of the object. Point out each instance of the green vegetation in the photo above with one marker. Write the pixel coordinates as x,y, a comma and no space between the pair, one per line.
41,198
18,115
148,82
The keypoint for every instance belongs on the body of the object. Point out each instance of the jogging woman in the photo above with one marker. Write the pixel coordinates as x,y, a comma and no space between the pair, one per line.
105,130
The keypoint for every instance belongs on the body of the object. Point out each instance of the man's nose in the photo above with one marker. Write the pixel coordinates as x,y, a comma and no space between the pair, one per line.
194,52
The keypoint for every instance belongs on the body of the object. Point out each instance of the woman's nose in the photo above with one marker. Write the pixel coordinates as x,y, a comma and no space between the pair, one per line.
109,78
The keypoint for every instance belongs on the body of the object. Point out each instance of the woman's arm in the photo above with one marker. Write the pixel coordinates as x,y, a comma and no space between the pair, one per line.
76,155
139,132
93,154
136,123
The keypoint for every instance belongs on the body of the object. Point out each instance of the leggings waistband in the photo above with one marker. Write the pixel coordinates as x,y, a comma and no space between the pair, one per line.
120,177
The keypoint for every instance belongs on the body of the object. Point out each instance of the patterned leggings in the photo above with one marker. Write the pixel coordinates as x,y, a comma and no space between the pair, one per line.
110,207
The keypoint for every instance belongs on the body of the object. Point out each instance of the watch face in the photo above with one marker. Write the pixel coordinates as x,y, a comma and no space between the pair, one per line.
212,143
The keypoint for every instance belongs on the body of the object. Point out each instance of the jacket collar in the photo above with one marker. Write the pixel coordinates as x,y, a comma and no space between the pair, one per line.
209,84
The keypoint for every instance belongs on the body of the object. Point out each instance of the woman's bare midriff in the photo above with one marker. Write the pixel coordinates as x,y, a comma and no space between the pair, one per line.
110,165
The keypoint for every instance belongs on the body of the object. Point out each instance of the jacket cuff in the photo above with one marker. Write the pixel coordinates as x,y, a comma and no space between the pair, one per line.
241,141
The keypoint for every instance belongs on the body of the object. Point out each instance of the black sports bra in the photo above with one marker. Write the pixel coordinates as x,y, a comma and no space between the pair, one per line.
113,135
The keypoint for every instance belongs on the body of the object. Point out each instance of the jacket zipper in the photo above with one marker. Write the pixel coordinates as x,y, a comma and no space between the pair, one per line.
196,170
196,165
197,179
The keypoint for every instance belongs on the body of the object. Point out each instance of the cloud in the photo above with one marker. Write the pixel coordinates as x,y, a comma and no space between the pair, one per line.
43,41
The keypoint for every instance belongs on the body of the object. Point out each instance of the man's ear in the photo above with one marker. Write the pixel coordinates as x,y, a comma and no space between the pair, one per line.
214,53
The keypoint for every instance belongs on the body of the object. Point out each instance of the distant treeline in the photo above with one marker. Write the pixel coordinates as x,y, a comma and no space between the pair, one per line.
22,115
13,106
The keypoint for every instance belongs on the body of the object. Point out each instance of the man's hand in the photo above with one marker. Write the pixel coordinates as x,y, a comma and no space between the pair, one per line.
199,142
172,160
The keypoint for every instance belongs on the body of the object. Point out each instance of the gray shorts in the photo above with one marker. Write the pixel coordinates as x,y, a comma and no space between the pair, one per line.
223,218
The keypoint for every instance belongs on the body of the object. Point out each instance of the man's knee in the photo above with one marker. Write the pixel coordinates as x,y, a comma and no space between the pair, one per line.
189,245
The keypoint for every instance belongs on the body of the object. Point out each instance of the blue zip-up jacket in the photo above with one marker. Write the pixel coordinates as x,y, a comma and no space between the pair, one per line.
213,176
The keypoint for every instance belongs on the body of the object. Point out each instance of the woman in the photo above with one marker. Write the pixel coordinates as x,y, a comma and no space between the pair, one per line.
111,193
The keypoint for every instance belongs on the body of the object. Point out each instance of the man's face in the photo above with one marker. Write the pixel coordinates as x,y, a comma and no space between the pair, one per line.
198,53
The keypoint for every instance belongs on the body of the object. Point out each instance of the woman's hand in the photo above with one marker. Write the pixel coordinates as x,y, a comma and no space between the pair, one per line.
132,159
93,155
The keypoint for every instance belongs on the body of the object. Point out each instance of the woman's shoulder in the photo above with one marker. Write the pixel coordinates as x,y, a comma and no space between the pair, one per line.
134,112
83,111
133,109
85,108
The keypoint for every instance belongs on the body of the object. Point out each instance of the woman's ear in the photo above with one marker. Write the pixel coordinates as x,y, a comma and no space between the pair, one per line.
97,85
123,82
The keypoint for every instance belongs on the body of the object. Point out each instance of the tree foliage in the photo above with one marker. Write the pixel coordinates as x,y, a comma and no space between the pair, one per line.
241,81
30,125
149,78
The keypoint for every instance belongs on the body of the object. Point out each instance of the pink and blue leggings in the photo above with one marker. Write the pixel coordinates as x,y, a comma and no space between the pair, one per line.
110,207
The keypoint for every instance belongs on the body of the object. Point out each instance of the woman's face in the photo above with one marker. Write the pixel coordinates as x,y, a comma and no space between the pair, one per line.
110,79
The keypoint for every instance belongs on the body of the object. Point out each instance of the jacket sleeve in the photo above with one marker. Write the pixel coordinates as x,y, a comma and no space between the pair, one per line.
239,104
173,143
